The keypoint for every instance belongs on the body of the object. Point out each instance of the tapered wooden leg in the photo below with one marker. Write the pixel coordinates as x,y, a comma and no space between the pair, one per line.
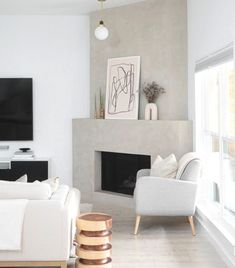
190,219
63,264
137,223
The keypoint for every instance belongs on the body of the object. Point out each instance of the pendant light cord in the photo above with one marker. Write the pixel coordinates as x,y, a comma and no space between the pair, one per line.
101,9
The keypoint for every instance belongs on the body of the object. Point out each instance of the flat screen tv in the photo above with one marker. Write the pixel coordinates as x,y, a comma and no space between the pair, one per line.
16,109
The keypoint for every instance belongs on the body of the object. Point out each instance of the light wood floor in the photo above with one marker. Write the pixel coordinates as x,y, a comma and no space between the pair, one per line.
161,242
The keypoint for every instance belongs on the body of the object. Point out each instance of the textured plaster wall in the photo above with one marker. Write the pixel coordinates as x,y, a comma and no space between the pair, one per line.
156,30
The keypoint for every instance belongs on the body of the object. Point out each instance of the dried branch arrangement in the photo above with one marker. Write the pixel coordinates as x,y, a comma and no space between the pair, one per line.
99,107
152,91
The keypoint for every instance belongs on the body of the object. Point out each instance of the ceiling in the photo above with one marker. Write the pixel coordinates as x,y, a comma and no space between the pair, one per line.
56,7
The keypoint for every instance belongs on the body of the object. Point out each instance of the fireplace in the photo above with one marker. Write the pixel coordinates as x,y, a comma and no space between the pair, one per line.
118,171
91,137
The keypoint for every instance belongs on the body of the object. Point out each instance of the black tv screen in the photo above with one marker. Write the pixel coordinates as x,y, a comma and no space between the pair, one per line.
16,109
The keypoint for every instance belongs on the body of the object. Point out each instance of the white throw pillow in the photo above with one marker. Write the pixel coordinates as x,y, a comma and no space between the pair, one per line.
23,178
53,182
22,190
164,168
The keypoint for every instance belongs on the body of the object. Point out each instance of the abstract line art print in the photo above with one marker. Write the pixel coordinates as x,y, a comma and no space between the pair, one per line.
122,91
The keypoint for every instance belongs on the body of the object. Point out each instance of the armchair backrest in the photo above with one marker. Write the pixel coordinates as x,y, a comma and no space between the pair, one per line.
189,168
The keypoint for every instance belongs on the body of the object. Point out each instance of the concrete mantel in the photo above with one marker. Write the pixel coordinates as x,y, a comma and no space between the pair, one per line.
92,136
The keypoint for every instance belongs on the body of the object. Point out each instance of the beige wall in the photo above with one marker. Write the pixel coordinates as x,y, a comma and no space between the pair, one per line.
156,30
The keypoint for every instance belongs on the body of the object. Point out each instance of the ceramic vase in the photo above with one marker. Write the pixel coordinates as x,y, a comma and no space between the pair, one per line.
151,111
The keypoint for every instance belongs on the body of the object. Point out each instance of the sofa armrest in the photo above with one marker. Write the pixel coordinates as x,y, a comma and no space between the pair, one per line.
165,197
142,173
46,233
72,204
48,229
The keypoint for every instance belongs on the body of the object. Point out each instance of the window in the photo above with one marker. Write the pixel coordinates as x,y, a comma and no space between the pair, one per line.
215,97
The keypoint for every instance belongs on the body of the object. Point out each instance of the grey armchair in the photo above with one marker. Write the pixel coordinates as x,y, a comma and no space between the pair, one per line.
155,196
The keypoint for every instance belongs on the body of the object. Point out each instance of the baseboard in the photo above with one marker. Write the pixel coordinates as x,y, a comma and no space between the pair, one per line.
223,246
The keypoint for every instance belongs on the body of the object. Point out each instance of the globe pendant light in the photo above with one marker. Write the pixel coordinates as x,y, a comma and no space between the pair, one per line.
101,32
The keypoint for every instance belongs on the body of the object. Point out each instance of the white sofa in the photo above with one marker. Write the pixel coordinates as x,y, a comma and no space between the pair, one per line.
48,231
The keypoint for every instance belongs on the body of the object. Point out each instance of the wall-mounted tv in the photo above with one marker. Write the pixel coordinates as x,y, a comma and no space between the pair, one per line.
16,109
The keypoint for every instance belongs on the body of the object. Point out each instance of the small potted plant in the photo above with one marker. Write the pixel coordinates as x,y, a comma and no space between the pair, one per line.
152,91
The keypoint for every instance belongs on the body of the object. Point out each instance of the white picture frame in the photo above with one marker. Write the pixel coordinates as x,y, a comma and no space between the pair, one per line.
122,88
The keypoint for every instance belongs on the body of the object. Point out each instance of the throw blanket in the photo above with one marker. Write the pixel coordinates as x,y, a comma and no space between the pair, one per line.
11,223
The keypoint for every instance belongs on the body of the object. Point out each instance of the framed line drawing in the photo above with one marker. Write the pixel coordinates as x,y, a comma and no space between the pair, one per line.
122,89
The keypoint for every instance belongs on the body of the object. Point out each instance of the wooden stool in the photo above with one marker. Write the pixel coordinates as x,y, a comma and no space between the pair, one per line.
94,241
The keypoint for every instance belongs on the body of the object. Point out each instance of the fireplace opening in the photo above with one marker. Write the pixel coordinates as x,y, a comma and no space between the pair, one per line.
118,171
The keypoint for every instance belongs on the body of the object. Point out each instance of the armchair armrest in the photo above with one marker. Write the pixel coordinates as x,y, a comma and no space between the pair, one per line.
165,197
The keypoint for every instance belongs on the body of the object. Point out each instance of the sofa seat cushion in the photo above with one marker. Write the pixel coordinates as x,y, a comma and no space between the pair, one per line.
21,190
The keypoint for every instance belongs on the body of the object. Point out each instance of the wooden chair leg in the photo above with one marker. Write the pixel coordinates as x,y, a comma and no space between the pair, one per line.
190,219
63,264
137,223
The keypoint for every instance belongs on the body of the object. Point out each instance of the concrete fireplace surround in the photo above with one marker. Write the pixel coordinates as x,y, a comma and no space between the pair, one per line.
91,137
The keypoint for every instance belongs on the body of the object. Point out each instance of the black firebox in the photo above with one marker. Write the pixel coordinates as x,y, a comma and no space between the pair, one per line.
119,170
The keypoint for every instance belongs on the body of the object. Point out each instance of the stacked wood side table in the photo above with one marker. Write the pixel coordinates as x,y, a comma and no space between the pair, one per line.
94,241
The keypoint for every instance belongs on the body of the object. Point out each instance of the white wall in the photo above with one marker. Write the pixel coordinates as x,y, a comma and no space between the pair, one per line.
54,51
211,26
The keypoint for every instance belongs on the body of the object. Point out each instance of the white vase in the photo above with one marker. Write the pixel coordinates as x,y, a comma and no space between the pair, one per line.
151,111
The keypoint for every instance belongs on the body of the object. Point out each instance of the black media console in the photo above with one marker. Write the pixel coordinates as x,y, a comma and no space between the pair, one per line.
35,170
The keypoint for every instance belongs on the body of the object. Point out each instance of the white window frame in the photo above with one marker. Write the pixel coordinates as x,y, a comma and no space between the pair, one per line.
202,133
